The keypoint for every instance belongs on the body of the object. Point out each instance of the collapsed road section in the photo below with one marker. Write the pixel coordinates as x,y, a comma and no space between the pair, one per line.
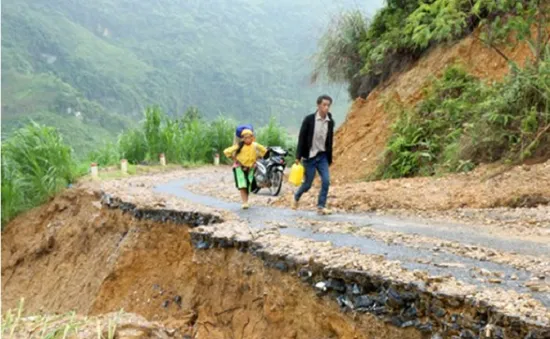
76,254
207,272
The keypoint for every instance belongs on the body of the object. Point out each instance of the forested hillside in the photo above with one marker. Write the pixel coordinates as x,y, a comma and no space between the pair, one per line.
91,67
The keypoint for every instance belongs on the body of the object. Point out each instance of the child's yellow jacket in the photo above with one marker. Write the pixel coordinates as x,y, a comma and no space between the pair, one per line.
248,154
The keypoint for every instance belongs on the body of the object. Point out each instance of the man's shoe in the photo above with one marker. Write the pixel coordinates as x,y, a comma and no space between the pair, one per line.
294,205
324,211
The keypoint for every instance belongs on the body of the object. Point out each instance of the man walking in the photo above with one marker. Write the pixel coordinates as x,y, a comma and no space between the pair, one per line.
315,151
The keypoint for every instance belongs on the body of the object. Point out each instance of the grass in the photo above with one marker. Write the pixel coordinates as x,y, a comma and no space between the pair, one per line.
68,325
37,163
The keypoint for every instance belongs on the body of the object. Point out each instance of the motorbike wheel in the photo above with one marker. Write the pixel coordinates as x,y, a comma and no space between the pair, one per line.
276,183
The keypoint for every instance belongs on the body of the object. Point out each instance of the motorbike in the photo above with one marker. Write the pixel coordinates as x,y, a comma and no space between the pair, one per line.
269,171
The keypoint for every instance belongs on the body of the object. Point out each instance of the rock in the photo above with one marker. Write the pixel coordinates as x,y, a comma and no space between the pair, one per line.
425,328
356,289
411,312
166,303
344,302
202,245
438,311
410,323
397,321
467,334
281,266
437,279
379,309
449,264
304,274
453,302
537,286
494,280
485,272
363,303
337,285
321,285
422,275
492,331
177,300
394,300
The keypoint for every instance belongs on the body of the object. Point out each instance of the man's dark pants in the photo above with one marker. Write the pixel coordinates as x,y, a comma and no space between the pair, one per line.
318,163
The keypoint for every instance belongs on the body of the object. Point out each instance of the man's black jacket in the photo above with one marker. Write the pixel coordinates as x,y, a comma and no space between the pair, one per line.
305,140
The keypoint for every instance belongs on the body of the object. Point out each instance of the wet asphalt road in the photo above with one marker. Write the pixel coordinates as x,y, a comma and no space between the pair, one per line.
262,217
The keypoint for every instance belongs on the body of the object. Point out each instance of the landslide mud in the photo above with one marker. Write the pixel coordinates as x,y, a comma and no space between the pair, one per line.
75,254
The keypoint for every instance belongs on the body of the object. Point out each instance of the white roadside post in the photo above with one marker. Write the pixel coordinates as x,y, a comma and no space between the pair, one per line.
162,159
216,159
124,166
94,170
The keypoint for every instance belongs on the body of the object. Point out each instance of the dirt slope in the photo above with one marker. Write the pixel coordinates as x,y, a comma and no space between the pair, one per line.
74,254
360,140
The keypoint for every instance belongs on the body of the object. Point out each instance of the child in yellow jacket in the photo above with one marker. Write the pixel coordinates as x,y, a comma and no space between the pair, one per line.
244,155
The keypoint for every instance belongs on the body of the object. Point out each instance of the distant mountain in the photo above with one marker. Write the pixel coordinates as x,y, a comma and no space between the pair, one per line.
90,67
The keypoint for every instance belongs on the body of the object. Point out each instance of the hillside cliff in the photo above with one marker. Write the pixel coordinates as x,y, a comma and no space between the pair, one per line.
360,141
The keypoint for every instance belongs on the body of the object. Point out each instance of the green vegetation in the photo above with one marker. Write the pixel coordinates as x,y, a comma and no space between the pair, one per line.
185,140
463,122
372,50
90,68
37,163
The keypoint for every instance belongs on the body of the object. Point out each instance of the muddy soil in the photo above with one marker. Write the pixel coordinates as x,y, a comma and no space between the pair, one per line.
360,140
74,254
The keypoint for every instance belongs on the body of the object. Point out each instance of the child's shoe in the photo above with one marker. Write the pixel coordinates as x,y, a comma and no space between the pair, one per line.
294,205
245,206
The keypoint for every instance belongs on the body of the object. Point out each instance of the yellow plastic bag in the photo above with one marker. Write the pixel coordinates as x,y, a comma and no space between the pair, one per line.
296,174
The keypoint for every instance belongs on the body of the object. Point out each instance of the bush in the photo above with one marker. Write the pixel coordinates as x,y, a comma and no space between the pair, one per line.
106,155
132,146
463,122
190,140
152,132
274,135
221,133
36,164
196,147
